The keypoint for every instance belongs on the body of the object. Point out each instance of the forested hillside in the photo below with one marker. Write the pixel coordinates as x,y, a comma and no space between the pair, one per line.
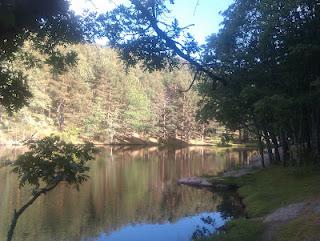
99,99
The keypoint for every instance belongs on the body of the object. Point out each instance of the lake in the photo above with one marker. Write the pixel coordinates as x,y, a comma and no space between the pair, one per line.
132,195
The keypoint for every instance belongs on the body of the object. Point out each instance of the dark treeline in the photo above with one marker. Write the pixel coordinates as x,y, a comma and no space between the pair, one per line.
268,53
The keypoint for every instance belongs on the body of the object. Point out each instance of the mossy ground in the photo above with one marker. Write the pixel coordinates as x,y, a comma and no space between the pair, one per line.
275,187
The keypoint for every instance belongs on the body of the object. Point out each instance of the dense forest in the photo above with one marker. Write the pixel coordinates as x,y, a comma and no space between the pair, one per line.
99,99
260,72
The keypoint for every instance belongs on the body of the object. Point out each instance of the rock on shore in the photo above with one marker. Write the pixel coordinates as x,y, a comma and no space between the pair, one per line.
195,181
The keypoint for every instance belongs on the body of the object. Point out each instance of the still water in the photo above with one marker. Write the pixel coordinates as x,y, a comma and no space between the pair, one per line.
132,195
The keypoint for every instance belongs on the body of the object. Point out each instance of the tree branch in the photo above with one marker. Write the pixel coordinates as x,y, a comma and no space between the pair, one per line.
192,83
171,43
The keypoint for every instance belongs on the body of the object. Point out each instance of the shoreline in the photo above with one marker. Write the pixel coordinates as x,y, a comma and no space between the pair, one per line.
235,146
266,219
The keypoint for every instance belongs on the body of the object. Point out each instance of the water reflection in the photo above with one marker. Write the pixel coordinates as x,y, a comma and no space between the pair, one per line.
180,230
131,192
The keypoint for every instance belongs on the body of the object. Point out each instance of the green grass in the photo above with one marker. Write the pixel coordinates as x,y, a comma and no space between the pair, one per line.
302,228
268,190
274,187
239,230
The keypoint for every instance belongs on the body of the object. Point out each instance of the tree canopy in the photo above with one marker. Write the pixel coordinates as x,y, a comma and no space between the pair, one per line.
261,71
269,53
50,25
142,32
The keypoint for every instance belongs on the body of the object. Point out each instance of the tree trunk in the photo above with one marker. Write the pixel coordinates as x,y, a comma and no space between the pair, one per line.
315,129
60,112
285,148
202,132
269,147
276,148
18,213
261,150
245,136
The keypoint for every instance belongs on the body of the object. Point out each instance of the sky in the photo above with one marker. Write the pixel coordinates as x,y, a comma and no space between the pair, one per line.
204,14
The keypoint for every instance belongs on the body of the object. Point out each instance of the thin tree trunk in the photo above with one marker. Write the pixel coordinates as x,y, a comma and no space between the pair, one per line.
315,135
269,147
276,147
18,213
285,148
261,150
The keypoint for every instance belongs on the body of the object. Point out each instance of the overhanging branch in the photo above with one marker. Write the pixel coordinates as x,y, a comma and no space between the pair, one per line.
192,83
172,44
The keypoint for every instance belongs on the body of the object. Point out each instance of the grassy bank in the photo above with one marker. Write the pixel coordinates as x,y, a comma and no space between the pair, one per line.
266,191
240,230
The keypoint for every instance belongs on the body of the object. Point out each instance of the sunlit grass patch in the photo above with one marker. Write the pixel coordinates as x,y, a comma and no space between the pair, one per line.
275,187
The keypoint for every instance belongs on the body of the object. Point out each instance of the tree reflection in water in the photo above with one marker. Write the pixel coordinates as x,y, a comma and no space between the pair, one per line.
230,207
127,186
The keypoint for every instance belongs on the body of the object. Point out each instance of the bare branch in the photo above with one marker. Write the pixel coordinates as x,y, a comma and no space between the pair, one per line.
192,83
186,27
195,7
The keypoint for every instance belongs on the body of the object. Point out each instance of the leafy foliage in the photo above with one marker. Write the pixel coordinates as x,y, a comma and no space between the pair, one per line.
128,30
142,33
13,90
48,162
267,52
50,26
52,160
